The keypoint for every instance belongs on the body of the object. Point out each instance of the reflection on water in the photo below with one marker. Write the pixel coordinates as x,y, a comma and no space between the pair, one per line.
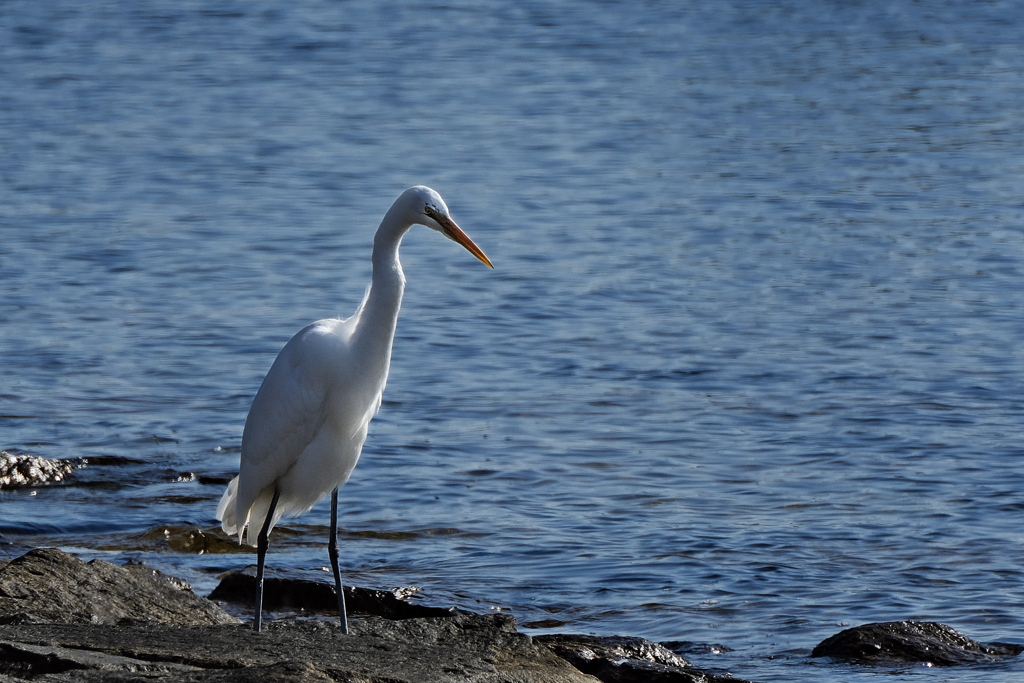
745,372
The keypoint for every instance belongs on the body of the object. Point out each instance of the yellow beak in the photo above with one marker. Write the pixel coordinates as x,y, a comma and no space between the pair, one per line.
455,232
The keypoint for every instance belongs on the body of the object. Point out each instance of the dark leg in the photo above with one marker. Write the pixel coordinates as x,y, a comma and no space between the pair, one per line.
332,550
262,543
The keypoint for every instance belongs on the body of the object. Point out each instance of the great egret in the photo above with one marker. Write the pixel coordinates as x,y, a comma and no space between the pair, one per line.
307,424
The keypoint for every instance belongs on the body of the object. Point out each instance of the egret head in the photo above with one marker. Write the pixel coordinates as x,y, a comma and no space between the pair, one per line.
432,212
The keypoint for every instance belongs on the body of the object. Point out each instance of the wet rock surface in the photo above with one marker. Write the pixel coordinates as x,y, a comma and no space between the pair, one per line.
903,642
627,659
483,648
239,588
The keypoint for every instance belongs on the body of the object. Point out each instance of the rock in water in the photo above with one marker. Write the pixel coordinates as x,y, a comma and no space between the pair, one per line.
903,642
48,586
29,470
627,659
239,587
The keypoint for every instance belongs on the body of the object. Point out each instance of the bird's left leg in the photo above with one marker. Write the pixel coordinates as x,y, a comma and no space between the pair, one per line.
332,550
262,543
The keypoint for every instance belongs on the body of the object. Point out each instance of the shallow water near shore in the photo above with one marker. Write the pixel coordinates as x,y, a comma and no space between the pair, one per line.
747,370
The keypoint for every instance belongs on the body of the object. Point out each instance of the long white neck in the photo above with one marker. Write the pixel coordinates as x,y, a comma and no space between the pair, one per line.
378,314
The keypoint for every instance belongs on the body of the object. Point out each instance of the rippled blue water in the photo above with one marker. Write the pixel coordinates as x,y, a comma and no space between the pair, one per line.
747,370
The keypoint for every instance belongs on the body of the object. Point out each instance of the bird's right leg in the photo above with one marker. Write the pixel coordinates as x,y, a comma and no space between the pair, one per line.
262,543
332,551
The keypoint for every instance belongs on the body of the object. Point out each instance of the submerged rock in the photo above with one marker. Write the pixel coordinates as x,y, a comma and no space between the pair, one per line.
903,642
29,470
626,659
48,586
239,587
188,539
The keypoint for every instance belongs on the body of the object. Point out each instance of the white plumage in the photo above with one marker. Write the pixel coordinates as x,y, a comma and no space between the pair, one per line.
308,422
305,428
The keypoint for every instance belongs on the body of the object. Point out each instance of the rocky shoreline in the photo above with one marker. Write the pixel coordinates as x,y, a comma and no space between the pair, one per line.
63,619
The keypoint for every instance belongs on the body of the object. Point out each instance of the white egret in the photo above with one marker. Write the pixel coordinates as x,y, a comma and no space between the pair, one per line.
307,424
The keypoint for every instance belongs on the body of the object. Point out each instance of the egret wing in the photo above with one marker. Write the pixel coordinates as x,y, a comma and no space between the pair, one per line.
289,410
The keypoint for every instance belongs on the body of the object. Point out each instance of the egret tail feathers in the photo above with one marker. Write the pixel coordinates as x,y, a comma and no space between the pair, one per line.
247,531
227,513
258,514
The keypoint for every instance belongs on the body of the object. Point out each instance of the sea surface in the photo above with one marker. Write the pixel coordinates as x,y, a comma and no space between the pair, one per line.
747,371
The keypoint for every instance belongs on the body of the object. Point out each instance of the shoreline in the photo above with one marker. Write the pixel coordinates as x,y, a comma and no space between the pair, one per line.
65,619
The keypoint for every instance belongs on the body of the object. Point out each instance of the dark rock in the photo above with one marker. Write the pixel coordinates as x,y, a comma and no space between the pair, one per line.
623,659
63,620
239,588
689,647
110,461
26,660
902,642
49,586
478,648
210,480
29,470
